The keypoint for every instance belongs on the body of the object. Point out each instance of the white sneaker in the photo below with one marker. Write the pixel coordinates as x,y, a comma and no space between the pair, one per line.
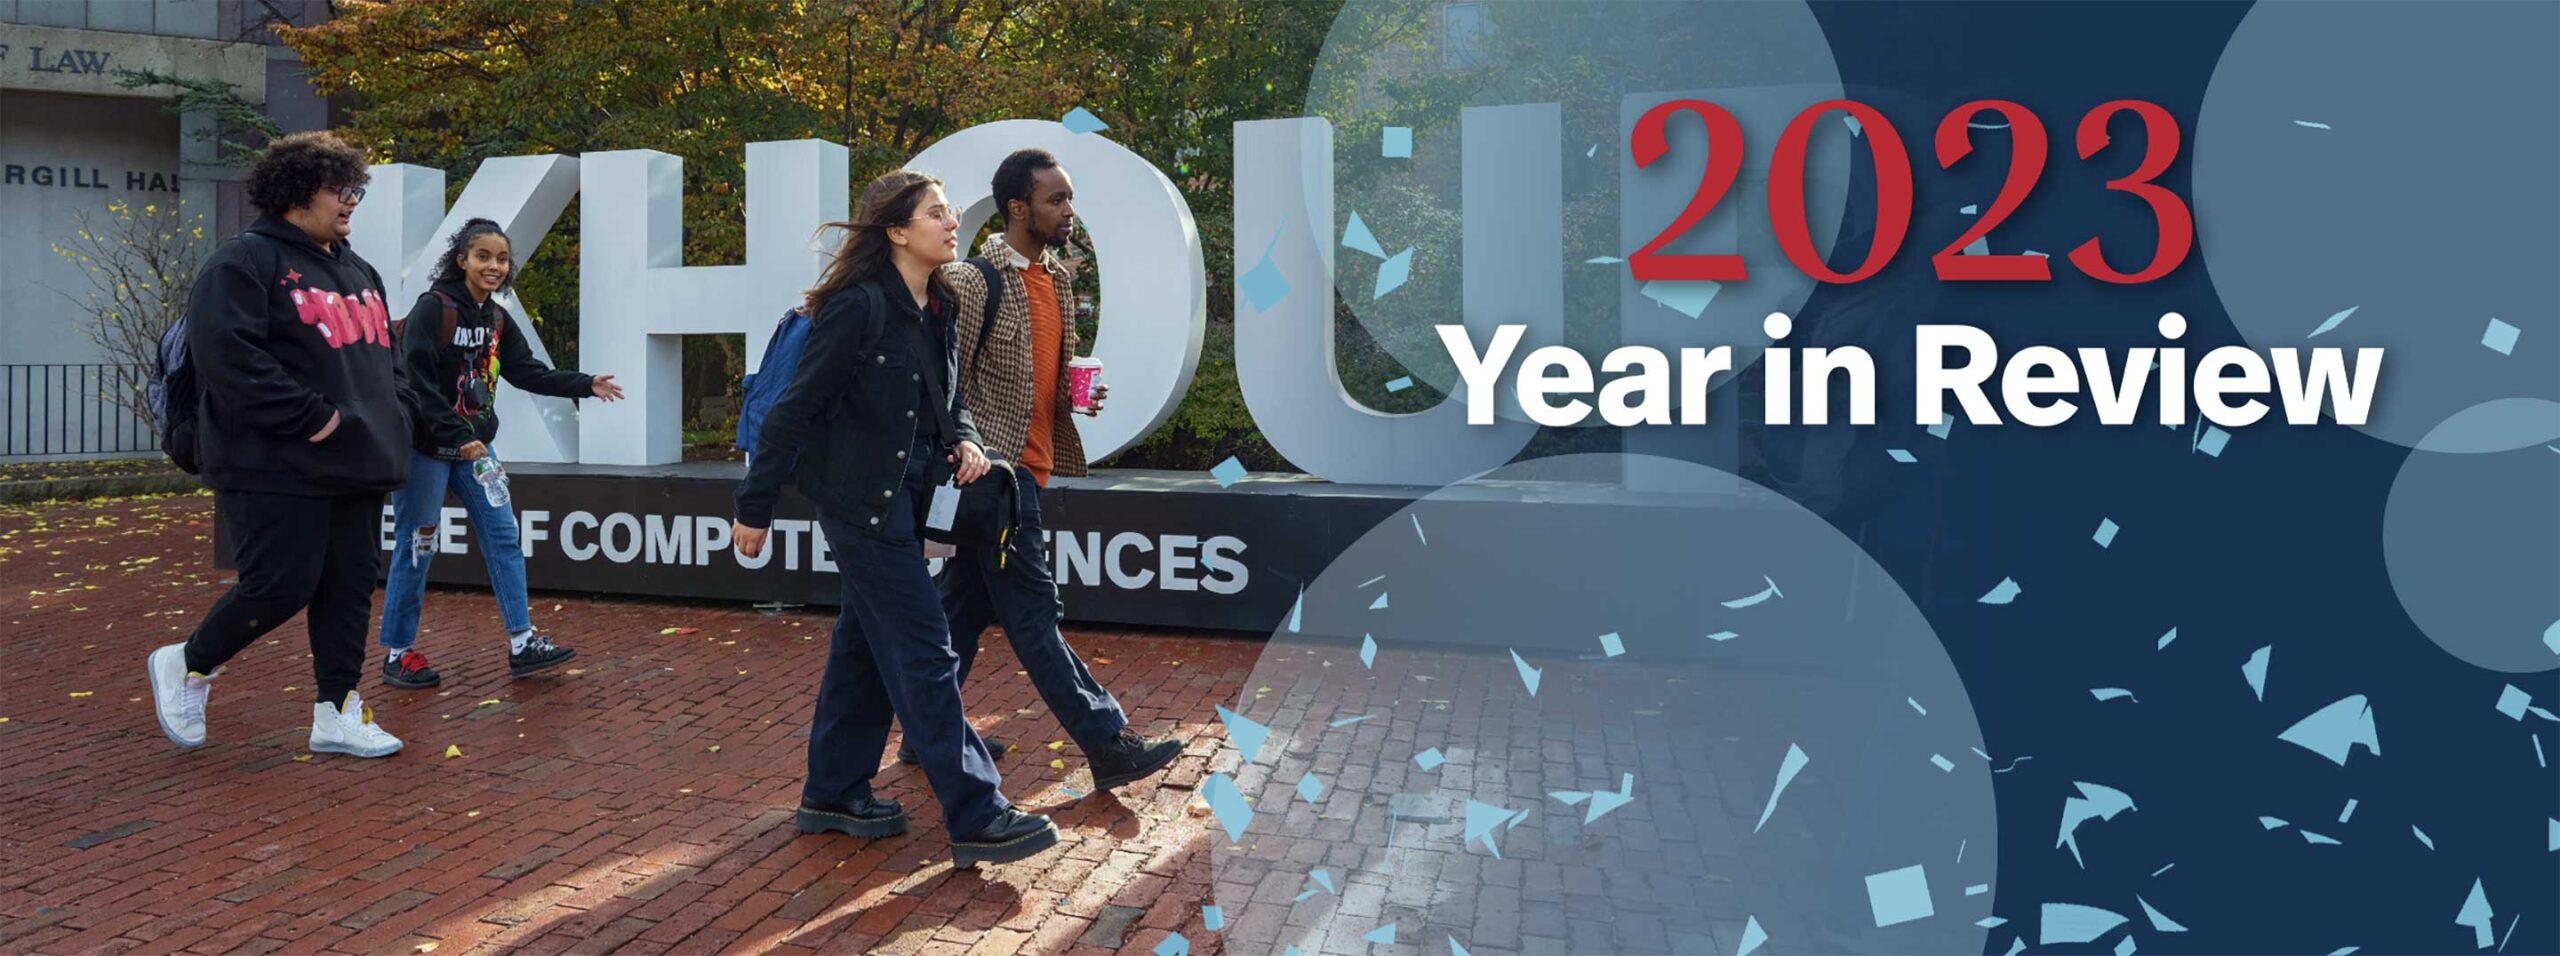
348,728
179,695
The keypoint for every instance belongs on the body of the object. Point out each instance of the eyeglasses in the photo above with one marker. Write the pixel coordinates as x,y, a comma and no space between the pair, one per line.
937,214
350,195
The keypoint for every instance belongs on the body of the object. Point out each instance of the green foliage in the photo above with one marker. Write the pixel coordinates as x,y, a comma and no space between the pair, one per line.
240,128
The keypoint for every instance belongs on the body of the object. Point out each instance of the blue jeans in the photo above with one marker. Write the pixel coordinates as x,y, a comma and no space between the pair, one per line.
420,505
1023,596
891,656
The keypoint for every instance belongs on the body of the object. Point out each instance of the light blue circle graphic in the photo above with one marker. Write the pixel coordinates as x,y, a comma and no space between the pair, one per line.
2393,159
2472,540
1555,716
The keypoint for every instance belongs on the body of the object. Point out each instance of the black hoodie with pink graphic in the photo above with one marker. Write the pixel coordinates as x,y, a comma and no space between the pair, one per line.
282,334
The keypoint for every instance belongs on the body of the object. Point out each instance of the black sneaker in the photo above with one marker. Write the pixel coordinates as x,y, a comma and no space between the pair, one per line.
868,817
995,748
1014,836
409,671
1130,758
539,654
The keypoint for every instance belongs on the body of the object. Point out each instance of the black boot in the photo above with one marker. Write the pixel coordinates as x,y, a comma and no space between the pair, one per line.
1014,836
867,817
1129,758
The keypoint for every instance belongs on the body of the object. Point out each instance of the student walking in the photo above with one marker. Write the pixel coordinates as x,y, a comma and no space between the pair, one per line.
869,425
454,347
299,432
1015,340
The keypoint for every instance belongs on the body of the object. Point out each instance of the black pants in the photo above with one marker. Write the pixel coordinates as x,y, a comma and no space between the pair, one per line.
1012,586
293,553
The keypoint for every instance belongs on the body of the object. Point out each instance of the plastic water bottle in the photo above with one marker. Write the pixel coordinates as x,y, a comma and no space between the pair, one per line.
493,479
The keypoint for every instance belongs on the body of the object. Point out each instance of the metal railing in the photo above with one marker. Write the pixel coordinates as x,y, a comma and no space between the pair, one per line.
61,410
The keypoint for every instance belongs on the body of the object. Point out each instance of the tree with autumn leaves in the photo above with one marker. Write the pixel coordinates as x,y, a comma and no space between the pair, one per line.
448,85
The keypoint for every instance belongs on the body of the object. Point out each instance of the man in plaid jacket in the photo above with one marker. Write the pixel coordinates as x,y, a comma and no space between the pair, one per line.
1014,377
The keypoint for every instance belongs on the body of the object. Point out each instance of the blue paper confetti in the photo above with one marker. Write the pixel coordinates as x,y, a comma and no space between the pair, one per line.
2256,671
2317,838
1373,580
1212,918
2164,869
2476,914
1752,936
2430,841
2160,923
1430,759
2537,751
1901,455
2002,593
1173,945
2310,124
2345,951
2113,693
1396,142
1722,636
1482,817
1960,845
1611,646
1528,675
1915,705
2016,946
2333,730
2074,923
1310,788
1417,531
1380,604
1899,896
1593,151
1399,385
1603,801
1356,235
1942,763
2333,321
2213,441
1991,922
1687,297
1368,651
2095,802
2271,822
1391,275
1227,803
1457,950
1324,878
1971,210
1228,472
2500,337
2165,639
1765,594
1787,770
1977,889
2555,837
2349,811
1245,732
2106,536
1946,423
1298,610
2124,947
1263,285
1081,120
2512,702
1348,721
1602,261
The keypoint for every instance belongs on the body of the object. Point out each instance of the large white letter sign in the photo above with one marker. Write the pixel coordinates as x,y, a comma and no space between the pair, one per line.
403,232
1284,344
636,295
1155,306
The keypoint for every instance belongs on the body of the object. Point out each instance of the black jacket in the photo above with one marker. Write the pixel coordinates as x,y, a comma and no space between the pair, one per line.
282,333
854,408
453,373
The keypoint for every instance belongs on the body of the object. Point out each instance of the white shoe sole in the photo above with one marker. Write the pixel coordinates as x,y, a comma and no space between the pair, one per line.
354,751
150,664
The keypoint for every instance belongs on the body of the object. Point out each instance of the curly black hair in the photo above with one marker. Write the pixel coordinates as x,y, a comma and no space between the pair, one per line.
1013,179
298,166
460,243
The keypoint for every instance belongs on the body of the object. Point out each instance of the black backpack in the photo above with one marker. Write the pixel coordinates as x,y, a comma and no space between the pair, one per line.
173,392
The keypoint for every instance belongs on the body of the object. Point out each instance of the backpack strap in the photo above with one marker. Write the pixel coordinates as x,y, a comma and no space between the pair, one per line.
986,325
452,316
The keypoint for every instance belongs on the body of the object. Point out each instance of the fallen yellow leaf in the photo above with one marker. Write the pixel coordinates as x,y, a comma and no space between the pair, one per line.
83,693
1057,765
1055,744
302,758
452,750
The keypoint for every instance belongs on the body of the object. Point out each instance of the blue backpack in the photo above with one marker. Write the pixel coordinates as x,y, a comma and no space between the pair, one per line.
172,391
763,387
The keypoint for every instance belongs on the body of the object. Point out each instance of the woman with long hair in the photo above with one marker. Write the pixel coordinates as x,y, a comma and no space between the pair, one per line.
454,347
868,427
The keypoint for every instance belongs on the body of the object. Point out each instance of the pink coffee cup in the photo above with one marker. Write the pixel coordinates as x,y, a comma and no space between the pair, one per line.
1080,375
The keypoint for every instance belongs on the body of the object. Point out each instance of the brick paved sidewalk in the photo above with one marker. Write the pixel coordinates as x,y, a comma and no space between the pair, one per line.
638,800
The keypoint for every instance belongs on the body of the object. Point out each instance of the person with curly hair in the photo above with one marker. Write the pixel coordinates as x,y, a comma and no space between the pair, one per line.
454,347
300,432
